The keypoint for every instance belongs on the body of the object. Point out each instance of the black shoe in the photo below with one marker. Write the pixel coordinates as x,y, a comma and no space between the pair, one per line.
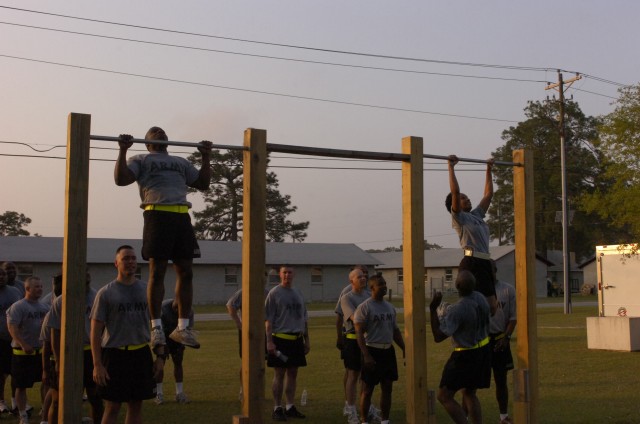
278,414
294,413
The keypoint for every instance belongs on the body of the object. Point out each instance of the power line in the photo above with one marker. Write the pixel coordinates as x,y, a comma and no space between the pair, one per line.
269,93
345,65
346,52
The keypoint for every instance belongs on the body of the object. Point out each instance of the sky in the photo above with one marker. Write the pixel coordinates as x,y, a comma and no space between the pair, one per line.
356,75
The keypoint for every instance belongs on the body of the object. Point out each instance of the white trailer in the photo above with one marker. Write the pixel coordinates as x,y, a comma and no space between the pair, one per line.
617,326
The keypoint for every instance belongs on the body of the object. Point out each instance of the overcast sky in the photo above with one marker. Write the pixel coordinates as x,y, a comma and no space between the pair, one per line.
364,101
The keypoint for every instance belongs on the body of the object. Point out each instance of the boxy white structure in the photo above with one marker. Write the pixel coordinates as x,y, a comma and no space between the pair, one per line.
618,325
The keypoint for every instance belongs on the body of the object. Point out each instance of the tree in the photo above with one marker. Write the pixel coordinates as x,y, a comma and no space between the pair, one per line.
539,133
427,246
11,224
617,197
221,219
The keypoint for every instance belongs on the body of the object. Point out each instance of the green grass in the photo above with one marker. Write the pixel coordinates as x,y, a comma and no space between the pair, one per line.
576,385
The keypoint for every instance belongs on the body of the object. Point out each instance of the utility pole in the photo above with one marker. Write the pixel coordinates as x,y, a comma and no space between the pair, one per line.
565,212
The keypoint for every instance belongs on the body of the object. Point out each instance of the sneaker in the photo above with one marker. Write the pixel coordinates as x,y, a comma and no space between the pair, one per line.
352,417
182,398
186,337
157,337
294,413
4,409
278,414
374,414
159,400
87,420
506,420
345,410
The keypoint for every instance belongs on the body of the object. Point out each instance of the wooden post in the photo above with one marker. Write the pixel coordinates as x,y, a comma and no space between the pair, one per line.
413,271
526,375
74,266
253,274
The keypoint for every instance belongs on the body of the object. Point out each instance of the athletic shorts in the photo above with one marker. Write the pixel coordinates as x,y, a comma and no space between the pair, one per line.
6,352
168,235
53,374
351,355
481,269
131,375
385,369
501,360
87,370
26,370
174,348
468,369
293,349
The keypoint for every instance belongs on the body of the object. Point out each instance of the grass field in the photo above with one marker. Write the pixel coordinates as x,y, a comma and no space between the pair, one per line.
576,385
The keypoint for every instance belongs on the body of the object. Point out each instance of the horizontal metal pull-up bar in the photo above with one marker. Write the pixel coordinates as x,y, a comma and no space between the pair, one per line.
169,142
498,162
336,153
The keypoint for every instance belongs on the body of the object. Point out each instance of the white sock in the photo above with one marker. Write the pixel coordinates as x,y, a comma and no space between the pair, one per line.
159,388
384,422
156,323
289,405
179,388
183,323
503,416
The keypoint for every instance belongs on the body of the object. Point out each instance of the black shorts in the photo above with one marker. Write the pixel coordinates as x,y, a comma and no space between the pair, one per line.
26,370
468,369
174,348
481,269
131,375
6,352
168,235
385,369
351,355
87,372
294,349
501,360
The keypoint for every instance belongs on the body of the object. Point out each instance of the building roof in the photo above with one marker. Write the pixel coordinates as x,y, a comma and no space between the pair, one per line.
102,250
439,258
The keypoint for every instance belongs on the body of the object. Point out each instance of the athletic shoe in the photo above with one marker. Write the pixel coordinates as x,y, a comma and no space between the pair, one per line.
186,337
16,412
159,400
182,398
87,420
157,337
374,414
353,418
278,414
3,407
294,413
506,420
346,410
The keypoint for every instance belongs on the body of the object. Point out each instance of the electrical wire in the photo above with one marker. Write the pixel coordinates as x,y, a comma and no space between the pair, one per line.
269,93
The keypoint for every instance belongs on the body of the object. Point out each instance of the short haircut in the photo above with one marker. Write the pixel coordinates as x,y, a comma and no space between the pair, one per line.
376,279
124,246
284,266
28,280
448,202
153,134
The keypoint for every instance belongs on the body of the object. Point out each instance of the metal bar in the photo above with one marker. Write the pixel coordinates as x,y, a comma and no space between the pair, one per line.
338,153
169,142
498,162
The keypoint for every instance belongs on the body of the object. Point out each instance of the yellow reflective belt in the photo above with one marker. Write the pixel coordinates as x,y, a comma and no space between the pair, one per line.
168,208
351,336
286,336
17,351
132,347
483,342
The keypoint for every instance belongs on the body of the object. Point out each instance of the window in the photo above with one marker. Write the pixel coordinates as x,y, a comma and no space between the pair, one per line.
400,275
273,279
24,271
448,275
316,274
231,275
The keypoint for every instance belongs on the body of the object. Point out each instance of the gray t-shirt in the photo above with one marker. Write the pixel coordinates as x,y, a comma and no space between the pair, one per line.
47,299
506,296
170,317
27,316
45,330
124,311
235,300
350,303
467,320
8,296
472,230
378,319
162,178
18,284
285,309
344,291
55,320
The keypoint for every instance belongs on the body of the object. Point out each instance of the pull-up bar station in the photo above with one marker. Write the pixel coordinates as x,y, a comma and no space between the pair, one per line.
420,403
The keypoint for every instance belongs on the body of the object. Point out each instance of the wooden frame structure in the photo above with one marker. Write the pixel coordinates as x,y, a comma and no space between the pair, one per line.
420,402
